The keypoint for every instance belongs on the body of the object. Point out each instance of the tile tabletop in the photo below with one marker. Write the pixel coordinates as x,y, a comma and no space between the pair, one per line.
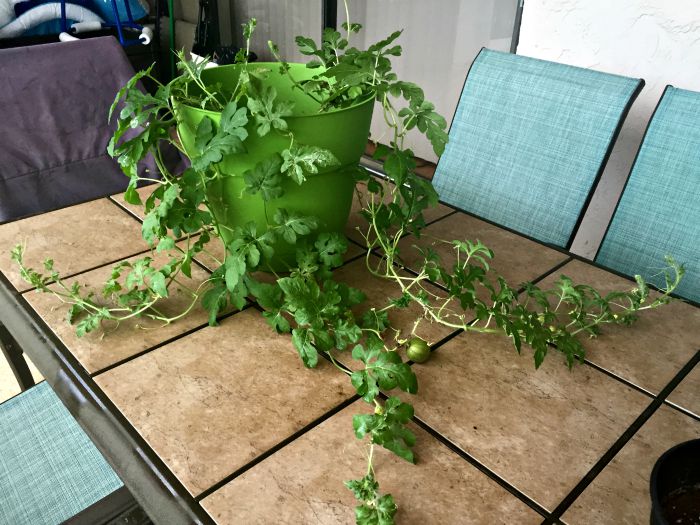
650,352
211,402
619,495
687,393
516,258
303,483
540,430
96,351
76,238
254,437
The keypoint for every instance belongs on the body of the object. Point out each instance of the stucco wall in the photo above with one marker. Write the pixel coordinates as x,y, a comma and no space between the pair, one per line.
440,41
657,40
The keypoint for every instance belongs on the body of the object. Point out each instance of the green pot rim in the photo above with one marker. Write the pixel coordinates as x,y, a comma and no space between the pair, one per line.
329,112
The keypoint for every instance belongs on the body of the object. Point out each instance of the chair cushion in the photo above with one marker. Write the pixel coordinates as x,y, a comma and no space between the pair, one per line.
53,107
529,139
659,211
68,184
49,468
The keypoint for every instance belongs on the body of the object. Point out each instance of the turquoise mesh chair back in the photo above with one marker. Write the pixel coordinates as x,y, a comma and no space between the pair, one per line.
529,141
659,211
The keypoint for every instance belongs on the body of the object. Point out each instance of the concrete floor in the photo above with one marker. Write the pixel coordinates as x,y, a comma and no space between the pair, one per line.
8,383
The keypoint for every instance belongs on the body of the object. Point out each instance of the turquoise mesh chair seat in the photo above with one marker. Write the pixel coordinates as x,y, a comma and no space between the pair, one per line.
659,211
529,141
49,468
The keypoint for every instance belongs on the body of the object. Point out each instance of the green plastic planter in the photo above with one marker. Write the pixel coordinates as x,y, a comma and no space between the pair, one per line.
326,195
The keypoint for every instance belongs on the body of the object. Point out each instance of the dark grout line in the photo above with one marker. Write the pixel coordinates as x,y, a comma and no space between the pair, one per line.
549,272
166,342
598,467
552,521
449,337
129,212
276,448
482,468
682,410
639,389
620,379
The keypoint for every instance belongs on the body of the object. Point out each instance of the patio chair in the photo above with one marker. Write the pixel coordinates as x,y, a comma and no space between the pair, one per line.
53,140
54,105
659,210
50,471
529,142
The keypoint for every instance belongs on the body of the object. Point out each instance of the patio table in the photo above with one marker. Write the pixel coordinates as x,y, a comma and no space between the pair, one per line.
225,424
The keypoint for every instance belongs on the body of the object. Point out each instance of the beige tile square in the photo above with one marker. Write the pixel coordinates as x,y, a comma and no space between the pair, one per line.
619,495
541,430
213,401
76,238
303,483
98,350
651,351
357,225
516,258
687,393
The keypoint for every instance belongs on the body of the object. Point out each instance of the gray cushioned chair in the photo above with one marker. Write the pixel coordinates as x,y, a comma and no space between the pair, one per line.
54,105
54,132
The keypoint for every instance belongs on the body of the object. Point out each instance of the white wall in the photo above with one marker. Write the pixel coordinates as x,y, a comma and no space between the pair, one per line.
657,40
280,21
440,41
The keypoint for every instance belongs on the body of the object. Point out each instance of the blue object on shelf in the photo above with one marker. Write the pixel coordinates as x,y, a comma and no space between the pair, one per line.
107,10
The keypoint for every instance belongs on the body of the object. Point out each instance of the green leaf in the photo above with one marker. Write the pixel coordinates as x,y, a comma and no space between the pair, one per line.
235,267
374,509
428,122
398,164
345,332
234,119
73,312
306,45
213,146
277,321
387,427
331,248
302,342
89,324
291,224
269,113
131,195
265,178
158,284
204,133
300,161
215,300
165,244
383,370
